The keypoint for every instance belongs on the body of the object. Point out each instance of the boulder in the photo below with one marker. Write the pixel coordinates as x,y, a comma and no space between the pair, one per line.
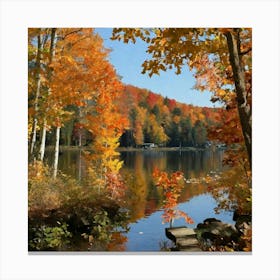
213,231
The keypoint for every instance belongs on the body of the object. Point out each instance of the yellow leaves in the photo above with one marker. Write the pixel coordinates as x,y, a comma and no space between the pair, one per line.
221,93
176,119
157,32
37,171
114,165
201,117
163,42
106,131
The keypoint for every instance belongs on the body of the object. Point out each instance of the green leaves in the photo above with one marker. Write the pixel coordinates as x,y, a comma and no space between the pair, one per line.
50,238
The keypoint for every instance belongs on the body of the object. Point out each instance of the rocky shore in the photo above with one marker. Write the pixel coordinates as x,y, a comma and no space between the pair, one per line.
213,235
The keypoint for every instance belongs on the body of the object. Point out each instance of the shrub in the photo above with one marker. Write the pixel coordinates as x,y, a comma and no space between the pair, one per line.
49,238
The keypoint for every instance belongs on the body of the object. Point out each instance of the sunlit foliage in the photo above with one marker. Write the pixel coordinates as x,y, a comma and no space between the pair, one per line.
171,186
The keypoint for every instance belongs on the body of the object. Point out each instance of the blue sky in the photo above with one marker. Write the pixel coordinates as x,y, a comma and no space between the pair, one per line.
127,59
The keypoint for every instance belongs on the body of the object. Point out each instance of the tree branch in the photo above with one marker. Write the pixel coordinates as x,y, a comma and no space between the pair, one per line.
245,52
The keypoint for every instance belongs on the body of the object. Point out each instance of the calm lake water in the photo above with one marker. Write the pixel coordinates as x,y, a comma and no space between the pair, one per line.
147,232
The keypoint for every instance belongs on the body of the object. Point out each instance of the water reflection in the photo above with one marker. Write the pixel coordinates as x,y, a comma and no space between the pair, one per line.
192,163
71,162
143,197
148,233
144,200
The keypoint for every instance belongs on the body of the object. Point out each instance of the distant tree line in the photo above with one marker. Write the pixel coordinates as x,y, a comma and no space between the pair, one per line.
152,118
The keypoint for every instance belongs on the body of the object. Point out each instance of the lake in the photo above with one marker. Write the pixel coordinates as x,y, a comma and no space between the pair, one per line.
147,231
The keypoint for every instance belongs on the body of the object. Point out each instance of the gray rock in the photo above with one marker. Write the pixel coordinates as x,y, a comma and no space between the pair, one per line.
211,220
216,231
183,242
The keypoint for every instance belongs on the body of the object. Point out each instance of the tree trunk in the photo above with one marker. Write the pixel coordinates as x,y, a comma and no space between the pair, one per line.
80,129
80,137
57,136
80,166
43,141
43,137
37,94
52,45
56,151
33,134
68,128
244,108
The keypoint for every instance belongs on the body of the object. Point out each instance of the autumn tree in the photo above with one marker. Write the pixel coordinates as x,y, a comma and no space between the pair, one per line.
77,75
34,82
40,51
137,117
186,133
220,57
106,125
199,133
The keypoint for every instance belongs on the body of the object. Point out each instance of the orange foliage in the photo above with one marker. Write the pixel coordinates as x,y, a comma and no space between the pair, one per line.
80,76
172,186
229,129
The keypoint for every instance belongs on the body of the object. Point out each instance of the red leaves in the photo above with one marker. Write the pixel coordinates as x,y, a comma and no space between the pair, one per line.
115,185
152,99
188,219
228,130
172,186
171,104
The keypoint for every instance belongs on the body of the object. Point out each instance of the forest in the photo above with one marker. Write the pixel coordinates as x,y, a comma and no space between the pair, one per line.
150,118
76,98
163,121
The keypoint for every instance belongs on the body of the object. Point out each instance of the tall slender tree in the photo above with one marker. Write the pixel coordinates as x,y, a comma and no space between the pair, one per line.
37,91
49,77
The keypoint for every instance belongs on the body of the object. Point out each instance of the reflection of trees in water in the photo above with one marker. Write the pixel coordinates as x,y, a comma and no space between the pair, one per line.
71,162
143,198
117,242
136,181
192,190
193,164
196,164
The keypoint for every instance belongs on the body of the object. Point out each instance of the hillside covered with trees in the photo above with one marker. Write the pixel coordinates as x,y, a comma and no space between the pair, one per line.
149,118
163,121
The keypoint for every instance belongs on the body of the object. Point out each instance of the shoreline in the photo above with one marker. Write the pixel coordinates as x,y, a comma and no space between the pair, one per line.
133,149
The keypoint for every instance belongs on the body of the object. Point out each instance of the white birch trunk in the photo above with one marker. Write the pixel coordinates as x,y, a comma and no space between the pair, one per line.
37,94
44,131
33,139
56,151
57,136
43,141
